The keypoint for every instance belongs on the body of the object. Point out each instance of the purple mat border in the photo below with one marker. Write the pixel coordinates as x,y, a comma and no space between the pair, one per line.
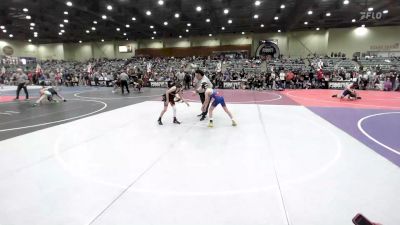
347,118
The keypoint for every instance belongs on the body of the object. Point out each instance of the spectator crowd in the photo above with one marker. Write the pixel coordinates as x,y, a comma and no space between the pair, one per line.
275,74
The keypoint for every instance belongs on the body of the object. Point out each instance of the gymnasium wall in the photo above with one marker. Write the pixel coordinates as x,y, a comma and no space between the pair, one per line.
51,51
294,44
362,40
190,51
20,48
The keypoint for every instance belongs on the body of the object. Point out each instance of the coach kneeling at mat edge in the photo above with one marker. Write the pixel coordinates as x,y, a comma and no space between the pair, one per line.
200,77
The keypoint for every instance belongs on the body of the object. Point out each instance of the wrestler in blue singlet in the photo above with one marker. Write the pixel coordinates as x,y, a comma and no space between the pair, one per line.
218,99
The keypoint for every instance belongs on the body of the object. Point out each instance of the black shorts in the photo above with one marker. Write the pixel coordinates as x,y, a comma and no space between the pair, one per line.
349,93
52,91
171,99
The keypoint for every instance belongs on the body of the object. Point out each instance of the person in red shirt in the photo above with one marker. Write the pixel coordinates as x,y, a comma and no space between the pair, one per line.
30,75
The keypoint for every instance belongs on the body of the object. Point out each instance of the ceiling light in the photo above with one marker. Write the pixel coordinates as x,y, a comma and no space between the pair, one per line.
165,23
30,40
62,31
66,21
187,30
229,21
243,32
25,10
148,12
87,31
262,25
370,9
363,25
161,2
317,28
198,8
152,38
104,17
80,42
151,27
306,23
255,16
222,28
4,31
69,3
180,36
133,18
28,17
188,24
32,28
102,40
276,18
124,34
35,33
154,32
95,22
226,11
127,25
346,2
2,27
385,11
328,14
279,31
257,3
32,24
283,6
11,35
177,15
109,7
118,29
210,35
65,13
310,12
93,28
208,20
353,20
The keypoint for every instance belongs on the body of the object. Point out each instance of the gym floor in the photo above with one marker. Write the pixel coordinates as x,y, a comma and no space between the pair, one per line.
296,157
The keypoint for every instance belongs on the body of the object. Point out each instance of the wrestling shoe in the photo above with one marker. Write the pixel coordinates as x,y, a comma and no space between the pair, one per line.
211,124
65,100
176,121
203,118
334,96
159,122
234,123
358,97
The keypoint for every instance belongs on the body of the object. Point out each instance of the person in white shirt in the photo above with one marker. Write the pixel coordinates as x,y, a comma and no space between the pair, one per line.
124,78
22,81
201,78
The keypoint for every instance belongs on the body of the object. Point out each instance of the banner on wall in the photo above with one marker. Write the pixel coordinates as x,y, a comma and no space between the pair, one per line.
268,48
162,84
232,84
338,84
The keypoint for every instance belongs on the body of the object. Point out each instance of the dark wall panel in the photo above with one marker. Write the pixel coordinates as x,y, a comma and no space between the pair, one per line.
191,51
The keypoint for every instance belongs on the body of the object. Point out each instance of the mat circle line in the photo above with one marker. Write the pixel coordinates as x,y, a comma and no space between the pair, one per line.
63,120
359,125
